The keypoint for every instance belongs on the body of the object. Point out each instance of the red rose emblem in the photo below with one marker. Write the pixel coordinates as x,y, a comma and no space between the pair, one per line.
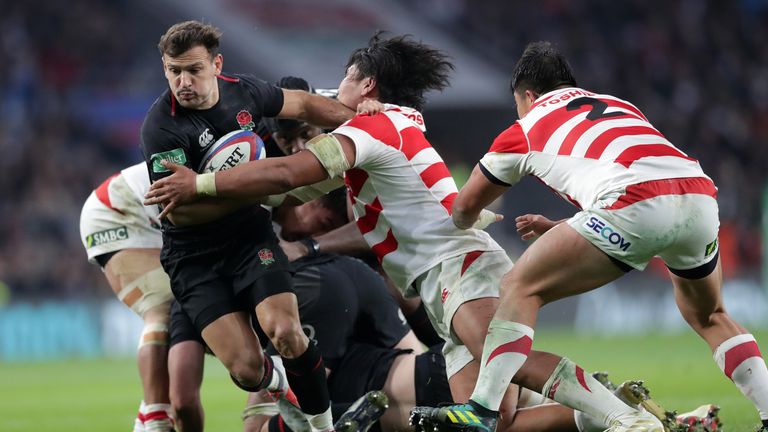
244,118
265,254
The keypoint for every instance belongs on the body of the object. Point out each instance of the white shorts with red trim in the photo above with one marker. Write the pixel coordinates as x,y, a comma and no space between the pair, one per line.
675,219
450,284
113,218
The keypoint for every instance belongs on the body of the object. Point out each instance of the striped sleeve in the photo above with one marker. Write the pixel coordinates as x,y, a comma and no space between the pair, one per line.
504,164
367,132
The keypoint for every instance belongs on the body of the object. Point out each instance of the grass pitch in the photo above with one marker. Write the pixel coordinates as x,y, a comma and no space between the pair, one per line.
103,394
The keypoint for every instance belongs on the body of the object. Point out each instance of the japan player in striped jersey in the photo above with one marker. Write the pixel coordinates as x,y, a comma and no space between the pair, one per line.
402,195
638,196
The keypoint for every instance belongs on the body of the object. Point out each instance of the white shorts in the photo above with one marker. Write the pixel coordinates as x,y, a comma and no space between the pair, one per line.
450,284
113,218
676,220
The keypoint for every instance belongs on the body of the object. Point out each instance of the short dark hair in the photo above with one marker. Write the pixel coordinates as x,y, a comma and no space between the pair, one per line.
541,69
185,35
335,201
403,68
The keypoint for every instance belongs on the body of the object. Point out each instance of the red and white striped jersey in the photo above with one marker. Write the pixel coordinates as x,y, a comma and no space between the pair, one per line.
137,178
402,193
584,146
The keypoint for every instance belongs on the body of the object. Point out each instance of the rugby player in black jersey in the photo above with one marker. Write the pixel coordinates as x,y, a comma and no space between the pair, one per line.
223,258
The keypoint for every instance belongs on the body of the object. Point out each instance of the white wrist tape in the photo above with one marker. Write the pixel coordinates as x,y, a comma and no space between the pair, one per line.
310,192
486,218
206,184
327,149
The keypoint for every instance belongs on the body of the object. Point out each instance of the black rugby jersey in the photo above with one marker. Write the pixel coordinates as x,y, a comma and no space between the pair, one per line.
172,132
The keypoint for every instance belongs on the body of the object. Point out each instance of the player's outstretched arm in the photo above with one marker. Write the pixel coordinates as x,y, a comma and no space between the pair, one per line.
328,156
315,109
477,193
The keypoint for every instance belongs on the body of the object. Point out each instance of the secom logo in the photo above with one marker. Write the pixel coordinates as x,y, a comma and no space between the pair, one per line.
607,233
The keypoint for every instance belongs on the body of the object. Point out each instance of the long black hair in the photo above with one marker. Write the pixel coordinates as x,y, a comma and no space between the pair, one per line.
403,68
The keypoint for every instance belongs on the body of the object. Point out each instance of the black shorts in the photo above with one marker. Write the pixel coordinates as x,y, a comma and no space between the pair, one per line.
430,378
181,327
212,279
363,368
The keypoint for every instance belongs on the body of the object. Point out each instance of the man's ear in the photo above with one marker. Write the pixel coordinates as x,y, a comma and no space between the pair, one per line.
218,63
369,86
531,96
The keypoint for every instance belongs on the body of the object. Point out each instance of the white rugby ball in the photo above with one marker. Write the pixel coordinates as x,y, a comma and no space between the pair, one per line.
233,149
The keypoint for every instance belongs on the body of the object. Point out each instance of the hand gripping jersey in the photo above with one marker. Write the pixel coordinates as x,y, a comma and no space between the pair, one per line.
402,194
585,146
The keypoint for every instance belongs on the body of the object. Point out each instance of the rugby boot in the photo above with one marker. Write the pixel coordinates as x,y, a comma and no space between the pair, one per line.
363,413
450,418
639,421
702,419
637,395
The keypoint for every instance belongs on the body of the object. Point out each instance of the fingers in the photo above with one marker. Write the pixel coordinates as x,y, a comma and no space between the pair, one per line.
167,209
171,166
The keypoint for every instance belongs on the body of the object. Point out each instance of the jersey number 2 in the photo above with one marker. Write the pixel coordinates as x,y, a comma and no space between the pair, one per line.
598,108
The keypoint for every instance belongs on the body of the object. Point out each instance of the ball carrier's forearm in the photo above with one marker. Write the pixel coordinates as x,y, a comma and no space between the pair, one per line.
207,210
324,159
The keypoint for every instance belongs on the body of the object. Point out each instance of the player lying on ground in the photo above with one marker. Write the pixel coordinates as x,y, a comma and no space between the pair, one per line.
402,194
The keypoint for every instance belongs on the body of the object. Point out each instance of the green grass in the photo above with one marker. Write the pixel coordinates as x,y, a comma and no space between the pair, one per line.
103,395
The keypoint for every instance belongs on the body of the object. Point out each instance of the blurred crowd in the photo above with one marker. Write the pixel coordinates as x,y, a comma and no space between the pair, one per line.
64,64
698,70
77,76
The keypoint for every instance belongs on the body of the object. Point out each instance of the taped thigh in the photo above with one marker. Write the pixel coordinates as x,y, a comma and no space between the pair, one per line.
151,289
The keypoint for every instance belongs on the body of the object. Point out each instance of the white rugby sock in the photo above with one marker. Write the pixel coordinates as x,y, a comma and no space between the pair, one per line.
740,360
570,386
320,422
506,348
157,418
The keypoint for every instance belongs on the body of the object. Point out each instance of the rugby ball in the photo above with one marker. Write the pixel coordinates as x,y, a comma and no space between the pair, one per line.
233,149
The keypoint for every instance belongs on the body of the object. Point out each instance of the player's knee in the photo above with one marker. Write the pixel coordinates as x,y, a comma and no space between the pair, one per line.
517,290
247,369
148,295
287,337
154,334
186,403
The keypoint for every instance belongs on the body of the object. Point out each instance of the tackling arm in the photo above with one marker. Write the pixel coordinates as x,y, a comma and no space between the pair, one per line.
315,109
476,194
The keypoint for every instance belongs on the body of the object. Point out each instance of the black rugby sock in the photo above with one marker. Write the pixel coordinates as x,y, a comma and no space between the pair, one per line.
306,375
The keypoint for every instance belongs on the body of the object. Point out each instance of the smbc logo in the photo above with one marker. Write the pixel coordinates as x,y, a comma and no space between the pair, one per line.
106,236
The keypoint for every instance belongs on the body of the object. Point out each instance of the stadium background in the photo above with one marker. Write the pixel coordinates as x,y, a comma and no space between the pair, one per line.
76,78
